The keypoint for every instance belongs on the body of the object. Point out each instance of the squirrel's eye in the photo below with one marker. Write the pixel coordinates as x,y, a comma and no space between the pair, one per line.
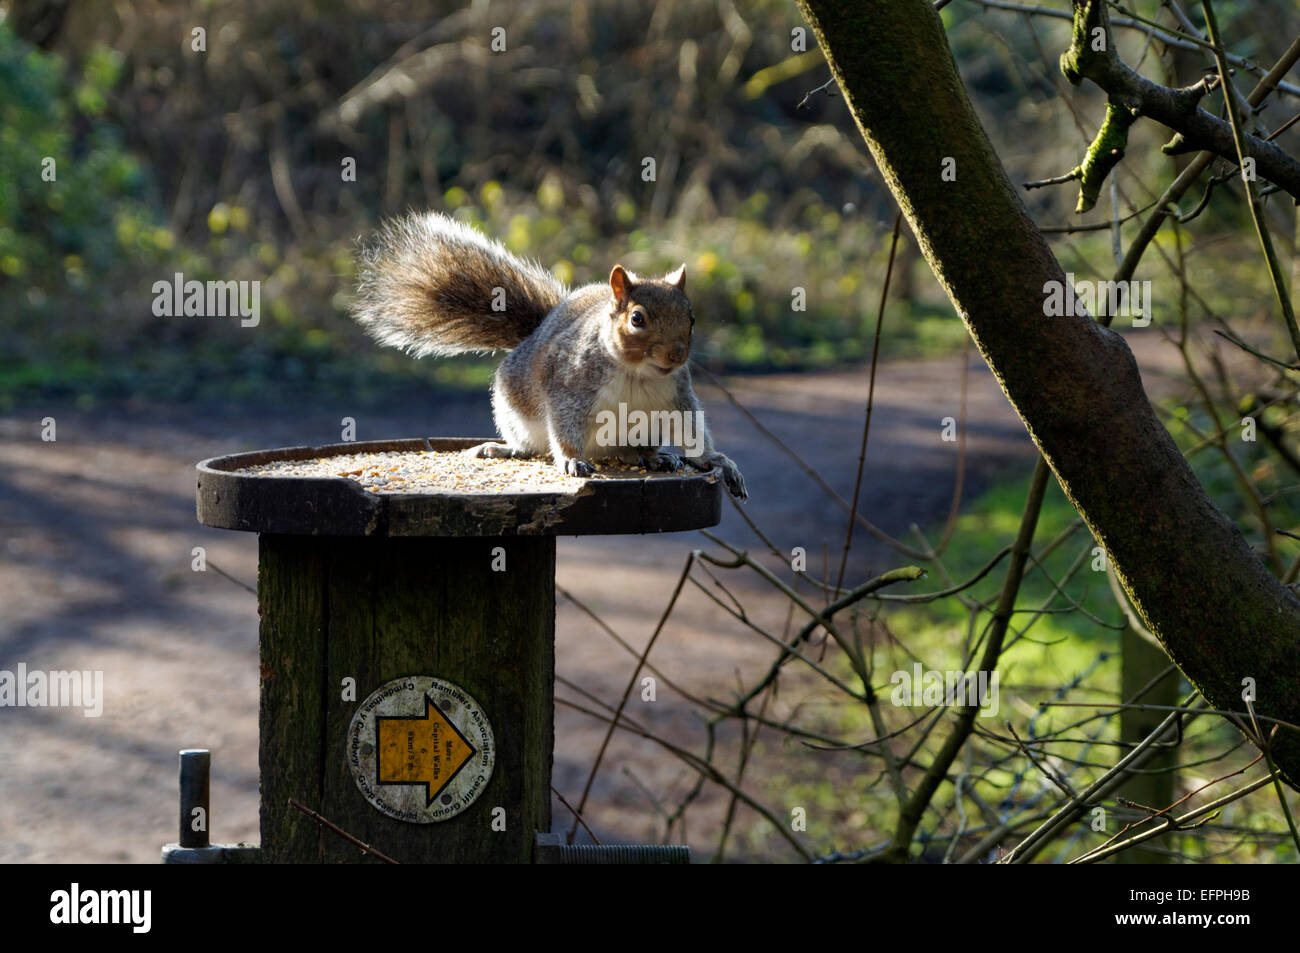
638,318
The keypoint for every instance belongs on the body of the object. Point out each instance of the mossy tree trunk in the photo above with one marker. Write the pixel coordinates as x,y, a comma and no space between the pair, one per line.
1217,610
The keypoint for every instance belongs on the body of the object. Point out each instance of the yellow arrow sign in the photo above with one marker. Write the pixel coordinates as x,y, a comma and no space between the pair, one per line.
420,749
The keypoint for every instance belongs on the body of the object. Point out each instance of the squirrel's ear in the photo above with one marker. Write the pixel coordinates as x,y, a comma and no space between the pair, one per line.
620,282
678,278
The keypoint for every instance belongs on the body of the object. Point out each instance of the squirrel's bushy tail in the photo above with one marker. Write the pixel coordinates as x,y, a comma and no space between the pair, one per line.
428,284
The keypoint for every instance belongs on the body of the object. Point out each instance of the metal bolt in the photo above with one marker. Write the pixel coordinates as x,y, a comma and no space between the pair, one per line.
195,766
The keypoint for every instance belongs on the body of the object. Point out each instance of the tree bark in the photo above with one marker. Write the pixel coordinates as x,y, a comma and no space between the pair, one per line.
1219,613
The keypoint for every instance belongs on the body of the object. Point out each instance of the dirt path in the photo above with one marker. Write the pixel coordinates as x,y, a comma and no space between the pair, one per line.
97,529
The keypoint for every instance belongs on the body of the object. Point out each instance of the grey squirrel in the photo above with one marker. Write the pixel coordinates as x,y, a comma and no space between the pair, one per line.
579,359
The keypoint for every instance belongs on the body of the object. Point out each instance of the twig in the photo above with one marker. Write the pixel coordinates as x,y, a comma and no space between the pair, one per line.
576,816
1171,823
702,766
1256,214
1085,858
875,531
627,693
331,826
1142,751
1174,38
824,87
910,816
238,582
871,395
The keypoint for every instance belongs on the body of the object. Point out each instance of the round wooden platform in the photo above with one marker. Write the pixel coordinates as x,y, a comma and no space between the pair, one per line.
231,498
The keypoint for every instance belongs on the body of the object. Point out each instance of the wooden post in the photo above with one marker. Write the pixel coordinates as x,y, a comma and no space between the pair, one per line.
1140,662
379,587
375,610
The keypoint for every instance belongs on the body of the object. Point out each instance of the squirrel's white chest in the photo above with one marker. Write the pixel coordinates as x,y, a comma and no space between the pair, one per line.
627,392
629,396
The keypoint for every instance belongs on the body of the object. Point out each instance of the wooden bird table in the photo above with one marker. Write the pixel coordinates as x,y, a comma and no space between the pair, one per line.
407,640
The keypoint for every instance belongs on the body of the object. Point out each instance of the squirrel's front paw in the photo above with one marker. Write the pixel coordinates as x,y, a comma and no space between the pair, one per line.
659,462
575,467
731,478
734,482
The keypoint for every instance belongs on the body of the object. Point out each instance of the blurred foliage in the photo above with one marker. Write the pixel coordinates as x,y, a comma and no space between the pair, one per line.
227,163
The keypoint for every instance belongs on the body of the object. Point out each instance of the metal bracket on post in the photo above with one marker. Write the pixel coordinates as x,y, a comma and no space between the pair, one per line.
551,849
193,847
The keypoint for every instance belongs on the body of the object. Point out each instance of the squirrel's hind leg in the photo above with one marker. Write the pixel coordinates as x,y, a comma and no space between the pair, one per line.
522,433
